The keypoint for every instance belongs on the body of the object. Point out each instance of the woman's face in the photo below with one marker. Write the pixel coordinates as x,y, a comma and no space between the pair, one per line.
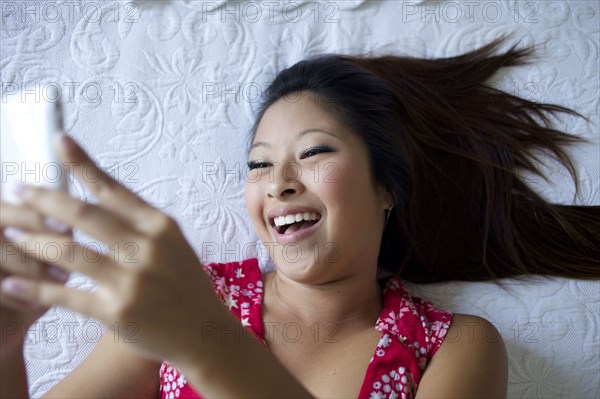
306,166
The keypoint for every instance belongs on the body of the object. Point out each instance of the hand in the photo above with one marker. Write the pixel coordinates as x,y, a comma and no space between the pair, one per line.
151,285
17,316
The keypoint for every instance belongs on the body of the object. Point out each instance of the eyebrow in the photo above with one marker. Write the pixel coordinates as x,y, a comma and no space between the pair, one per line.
300,134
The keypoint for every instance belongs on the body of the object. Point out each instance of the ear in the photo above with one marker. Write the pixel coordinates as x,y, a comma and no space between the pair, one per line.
387,198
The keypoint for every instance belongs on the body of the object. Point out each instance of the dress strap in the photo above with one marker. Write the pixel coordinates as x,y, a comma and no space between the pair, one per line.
413,321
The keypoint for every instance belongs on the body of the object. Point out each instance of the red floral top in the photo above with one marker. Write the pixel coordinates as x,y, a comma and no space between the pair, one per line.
411,329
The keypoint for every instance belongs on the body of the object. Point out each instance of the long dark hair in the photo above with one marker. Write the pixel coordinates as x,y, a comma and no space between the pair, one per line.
446,146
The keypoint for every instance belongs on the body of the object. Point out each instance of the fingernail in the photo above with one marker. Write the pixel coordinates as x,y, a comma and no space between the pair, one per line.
14,287
12,233
56,225
58,274
20,189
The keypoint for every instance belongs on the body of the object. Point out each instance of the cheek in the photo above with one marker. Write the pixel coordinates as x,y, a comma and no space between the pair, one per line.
345,183
351,201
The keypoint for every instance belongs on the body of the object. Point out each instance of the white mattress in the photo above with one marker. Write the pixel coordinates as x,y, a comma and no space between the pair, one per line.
183,60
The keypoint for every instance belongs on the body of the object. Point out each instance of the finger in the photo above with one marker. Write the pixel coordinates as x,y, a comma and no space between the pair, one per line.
111,194
20,216
44,294
92,219
18,263
67,255
14,303
17,304
27,218
14,261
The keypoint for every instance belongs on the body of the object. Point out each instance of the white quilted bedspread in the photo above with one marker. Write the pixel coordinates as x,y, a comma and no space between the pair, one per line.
162,93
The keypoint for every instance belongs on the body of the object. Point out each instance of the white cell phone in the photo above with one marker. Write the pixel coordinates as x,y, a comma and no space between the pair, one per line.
31,119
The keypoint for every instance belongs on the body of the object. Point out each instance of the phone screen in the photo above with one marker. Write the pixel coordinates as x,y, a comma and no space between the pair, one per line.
30,122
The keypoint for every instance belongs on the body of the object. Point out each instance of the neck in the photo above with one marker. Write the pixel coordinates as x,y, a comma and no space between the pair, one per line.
354,301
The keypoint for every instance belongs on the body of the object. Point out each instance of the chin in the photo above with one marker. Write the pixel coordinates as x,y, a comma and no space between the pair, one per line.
308,270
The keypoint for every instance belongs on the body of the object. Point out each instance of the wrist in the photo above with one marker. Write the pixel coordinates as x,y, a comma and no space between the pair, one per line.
211,343
13,340
11,351
13,377
231,350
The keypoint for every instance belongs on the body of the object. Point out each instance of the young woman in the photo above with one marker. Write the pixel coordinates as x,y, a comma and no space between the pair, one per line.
364,170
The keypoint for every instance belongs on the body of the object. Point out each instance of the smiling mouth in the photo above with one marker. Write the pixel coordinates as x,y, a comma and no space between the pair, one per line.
300,221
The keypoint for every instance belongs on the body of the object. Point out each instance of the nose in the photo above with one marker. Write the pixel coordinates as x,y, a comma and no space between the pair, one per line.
285,181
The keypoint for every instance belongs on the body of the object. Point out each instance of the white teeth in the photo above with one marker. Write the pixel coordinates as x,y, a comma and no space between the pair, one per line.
298,217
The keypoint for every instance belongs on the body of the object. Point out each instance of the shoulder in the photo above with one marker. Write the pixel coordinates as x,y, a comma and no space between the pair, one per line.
471,362
472,336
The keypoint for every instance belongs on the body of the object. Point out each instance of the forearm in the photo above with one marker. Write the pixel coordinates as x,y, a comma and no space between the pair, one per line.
239,366
13,377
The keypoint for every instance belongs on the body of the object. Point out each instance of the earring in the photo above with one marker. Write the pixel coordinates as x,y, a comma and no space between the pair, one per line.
389,211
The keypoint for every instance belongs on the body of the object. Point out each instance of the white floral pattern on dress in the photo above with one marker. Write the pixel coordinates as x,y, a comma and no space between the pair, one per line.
412,331
171,382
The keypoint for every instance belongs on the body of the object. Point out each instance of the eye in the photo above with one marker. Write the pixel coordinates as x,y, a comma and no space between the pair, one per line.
257,164
315,150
